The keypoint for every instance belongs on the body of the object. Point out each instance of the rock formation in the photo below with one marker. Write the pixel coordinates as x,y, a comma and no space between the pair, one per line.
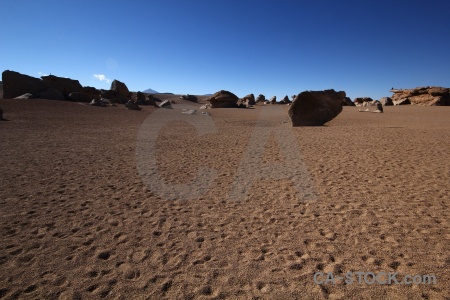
189,98
424,96
386,101
141,99
285,100
64,85
348,102
273,100
122,94
249,99
260,98
223,99
363,101
315,108
16,84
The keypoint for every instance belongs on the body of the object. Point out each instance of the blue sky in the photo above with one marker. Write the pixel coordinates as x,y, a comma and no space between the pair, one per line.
245,46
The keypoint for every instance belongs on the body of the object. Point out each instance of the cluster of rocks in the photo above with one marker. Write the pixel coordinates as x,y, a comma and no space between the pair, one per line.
20,86
424,96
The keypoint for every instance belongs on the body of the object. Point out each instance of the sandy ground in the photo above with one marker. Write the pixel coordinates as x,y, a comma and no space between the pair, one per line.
78,220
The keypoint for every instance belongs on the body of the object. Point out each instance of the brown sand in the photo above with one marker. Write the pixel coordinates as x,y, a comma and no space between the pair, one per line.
78,222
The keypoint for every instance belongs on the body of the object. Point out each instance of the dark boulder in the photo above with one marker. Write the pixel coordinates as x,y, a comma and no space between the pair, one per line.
285,100
122,94
315,108
348,102
16,84
64,85
386,101
189,98
249,99
261,98
223,99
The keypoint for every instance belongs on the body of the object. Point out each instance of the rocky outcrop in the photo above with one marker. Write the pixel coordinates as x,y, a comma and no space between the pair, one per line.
424,96
122,94
49,87
379,106
16,84
363,101
249,99
315,108
386,101
273,100
140,98
260,98
1,90
405,101
285,100
64,85
189,98
223,99
348,102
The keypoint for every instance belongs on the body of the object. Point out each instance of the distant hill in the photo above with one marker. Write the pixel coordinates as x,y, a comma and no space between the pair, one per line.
150,91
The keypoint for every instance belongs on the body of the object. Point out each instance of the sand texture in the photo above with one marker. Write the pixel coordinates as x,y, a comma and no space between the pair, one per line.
78,220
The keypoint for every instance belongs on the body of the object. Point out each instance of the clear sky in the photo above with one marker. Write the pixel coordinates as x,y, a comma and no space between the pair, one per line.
245,46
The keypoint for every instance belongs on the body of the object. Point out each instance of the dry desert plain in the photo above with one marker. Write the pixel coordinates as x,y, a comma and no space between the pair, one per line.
79,221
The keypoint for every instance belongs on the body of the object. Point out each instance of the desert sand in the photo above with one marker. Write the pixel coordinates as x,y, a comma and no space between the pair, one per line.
78,220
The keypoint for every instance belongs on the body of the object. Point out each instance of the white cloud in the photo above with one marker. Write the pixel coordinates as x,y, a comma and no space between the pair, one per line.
102,78
42,74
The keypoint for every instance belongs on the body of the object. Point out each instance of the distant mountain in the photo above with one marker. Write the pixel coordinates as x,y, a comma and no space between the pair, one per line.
150,91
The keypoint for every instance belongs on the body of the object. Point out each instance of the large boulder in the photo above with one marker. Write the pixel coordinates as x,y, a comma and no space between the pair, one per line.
64,85
16,84
386,101
1,114
273,100
424,96
140,98
285,100
315,108
348,102
114,96
363,101
223,99
189,98
249,99
260,98
121,89
1,90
